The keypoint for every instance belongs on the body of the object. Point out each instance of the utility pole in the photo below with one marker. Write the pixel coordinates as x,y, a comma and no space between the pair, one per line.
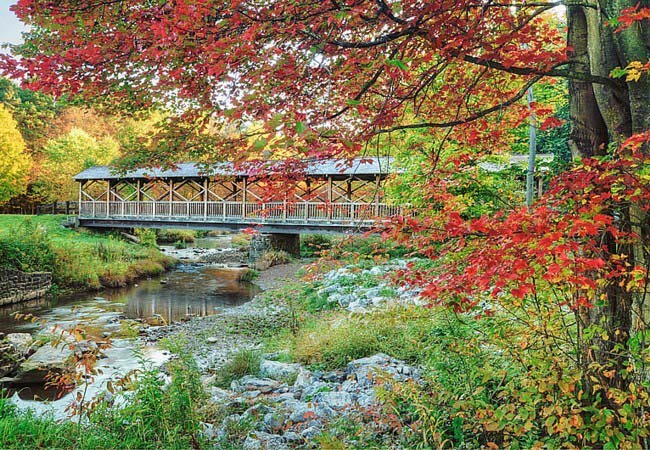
532,149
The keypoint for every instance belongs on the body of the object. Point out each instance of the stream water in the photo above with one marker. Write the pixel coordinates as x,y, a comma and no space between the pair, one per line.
189,290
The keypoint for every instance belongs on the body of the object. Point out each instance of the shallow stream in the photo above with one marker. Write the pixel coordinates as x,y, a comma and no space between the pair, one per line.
187,291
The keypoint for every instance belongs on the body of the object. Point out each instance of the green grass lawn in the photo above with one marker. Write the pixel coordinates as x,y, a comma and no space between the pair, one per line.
78,258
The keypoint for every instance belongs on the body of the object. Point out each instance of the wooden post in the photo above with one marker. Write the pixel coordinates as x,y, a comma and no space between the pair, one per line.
329,197
245,183
81,183
377,196
108,199
138,197
171,195
206,186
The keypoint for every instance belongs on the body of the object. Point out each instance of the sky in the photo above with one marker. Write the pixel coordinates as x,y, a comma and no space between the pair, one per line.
10,27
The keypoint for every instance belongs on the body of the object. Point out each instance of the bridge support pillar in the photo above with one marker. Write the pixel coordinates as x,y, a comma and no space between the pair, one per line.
289,243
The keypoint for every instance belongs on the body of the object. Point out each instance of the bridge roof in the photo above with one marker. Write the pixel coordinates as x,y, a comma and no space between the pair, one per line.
367,167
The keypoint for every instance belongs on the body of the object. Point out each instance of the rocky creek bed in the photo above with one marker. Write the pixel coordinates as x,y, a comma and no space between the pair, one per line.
286,404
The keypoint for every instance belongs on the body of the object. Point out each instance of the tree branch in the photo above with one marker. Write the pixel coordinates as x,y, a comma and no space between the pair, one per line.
452,123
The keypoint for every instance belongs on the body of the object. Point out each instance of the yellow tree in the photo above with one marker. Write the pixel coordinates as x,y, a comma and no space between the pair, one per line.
15,163
68,155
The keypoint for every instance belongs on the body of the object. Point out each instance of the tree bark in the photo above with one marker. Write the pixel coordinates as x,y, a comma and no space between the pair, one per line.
602,115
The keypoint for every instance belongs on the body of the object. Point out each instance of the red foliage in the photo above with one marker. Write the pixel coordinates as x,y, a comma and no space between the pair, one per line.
560,242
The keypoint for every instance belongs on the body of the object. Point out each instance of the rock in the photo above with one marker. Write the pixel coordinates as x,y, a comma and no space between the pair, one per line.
277,370
364,370
218,395
273,421
305,412
250,395
250,383
21,342
99,299
346,299
212,340
303,379
336,400
46,359
208,431
259,440
292,437
310,432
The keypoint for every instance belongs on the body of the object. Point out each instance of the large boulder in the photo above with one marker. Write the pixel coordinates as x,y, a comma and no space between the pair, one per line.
44,361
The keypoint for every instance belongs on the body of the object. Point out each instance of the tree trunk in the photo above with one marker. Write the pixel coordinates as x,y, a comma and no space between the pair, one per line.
602,114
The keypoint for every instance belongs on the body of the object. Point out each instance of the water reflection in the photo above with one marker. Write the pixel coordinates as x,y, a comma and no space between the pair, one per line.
189,290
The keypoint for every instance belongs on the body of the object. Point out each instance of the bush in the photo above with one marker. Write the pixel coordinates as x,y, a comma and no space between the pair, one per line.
249,275
313,244
172,235
242,363
241,241
272,258
27,247
147,236
180,245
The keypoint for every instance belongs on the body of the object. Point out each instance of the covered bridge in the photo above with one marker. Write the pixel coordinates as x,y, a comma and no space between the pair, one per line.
309,196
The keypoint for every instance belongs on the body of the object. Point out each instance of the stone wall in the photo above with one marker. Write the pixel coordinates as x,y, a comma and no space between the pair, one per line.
17,286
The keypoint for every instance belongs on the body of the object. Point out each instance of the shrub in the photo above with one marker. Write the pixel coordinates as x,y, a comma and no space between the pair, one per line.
272,258
173,235
249,275
179,245
244,362
241,241
27,247
147,236
314,244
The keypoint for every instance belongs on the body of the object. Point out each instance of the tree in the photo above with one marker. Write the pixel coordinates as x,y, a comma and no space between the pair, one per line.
67,155
329,76
14,162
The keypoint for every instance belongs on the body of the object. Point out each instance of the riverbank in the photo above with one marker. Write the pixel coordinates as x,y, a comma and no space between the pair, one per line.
79,259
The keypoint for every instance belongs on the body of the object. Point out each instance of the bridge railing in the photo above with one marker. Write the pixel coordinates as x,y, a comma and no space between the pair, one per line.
303,212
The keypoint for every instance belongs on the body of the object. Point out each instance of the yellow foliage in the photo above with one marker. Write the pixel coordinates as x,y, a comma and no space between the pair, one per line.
15,163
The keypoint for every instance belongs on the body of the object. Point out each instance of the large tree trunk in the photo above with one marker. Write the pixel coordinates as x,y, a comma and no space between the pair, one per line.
604,114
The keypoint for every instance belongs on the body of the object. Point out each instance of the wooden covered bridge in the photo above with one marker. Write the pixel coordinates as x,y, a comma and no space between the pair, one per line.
330,196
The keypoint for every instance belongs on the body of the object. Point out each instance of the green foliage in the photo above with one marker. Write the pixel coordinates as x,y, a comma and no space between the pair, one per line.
26,246
272,258
33,111
77,258
174,235
330,341
313,244
372,249
156,416
15,163
241,241
67,155
179,245
243,362
249,275
147,236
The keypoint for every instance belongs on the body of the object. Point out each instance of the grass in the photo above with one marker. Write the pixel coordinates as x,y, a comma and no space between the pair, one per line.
156,416
243,362
78,259
173,235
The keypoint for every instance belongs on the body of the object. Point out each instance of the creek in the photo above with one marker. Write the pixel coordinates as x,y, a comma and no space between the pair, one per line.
189,290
